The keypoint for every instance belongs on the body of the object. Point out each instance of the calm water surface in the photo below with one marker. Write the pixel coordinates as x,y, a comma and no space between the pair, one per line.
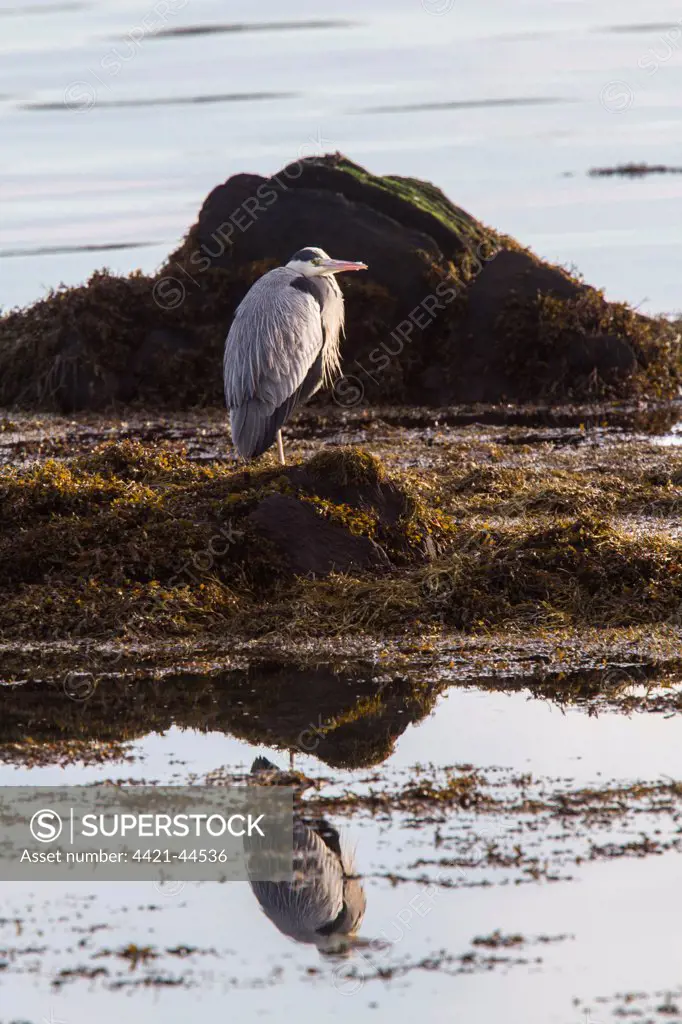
600,910
117,118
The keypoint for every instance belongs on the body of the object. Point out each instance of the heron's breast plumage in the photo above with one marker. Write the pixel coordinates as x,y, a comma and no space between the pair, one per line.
328,295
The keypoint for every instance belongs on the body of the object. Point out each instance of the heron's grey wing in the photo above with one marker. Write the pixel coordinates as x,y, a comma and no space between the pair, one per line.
304,908
273,345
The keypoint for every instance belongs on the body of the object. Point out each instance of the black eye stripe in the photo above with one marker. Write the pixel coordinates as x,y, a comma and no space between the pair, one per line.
305,255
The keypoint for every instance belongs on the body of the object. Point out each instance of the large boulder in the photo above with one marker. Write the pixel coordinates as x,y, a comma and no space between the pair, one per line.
449,311
506,352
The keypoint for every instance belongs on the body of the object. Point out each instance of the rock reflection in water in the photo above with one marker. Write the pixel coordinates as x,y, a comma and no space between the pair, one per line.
346,719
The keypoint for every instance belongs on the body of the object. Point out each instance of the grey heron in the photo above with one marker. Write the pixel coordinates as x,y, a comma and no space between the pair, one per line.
282,346
325,903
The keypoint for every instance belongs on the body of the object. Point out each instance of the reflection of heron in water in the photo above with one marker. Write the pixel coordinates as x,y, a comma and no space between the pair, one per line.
325,903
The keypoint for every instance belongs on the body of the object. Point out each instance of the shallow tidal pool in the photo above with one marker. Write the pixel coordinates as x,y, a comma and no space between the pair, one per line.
542,902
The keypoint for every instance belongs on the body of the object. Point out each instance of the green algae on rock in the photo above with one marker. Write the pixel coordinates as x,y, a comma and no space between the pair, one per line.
450,310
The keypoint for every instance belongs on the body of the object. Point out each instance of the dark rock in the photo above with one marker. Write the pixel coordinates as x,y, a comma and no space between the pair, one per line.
435,320
490,367
407,232
385,496
401,345
299,216
513,274
310,544
347,514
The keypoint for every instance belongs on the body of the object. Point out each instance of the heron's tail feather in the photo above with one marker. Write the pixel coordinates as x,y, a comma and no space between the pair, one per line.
254,425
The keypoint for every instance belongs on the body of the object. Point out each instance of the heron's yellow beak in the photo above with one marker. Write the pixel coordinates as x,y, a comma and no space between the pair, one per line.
336,266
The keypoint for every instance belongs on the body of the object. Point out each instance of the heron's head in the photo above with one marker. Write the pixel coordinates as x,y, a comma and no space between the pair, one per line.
313,262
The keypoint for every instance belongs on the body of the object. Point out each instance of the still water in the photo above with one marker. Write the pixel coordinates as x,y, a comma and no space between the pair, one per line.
117,117
582,923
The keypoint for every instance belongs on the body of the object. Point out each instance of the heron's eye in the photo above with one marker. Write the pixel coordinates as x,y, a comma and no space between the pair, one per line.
316,262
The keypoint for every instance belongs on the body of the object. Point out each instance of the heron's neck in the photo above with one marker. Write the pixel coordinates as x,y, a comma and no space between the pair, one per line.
331,280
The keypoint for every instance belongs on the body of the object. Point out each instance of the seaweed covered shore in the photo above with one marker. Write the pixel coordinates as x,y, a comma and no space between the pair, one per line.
446,531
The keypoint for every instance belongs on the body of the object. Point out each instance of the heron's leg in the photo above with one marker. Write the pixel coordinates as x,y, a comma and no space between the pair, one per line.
280,447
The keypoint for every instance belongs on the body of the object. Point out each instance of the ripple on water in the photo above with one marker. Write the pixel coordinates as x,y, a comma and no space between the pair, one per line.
167,101
265,26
